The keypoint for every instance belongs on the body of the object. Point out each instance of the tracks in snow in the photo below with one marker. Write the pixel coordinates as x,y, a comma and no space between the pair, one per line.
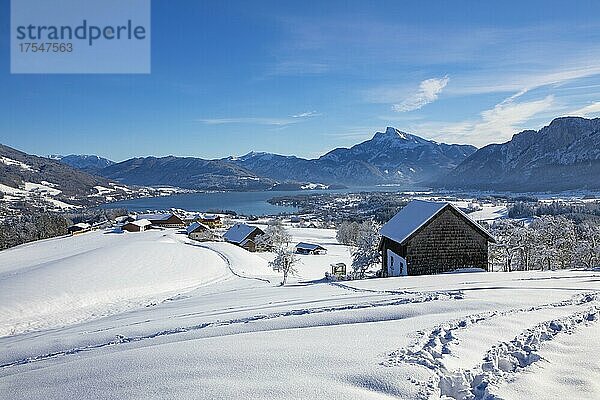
122,339
453,294
227,262
500,361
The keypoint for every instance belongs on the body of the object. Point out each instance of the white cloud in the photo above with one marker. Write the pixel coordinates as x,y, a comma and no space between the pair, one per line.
292,119
505,118
306,114
428,92
521,83
587,111
248,120
495,125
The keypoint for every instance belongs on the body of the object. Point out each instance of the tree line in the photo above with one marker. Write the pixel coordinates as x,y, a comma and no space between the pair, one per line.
16,230
27,228
549,242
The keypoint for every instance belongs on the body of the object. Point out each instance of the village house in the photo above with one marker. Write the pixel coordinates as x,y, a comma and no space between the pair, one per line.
310,248
198,231
137,225
243,235
164,220
211,220
428,237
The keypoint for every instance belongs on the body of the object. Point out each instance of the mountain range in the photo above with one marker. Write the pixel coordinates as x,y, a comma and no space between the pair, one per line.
561,156
390,157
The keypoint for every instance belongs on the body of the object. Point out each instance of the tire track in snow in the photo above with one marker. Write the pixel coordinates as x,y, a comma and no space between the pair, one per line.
499,361
454,294
227,262
121,339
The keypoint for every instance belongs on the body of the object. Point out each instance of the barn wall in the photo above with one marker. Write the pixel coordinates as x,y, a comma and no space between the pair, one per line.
393,246
446,243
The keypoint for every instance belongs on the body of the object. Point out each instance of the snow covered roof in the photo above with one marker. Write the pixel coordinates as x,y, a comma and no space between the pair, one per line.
196,226
211,217
141,222
415,215
82,225
154,217
239,232
309,246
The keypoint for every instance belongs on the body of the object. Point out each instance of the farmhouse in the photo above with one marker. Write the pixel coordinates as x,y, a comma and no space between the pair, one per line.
243,235
166,220
79,228
137,225
428,237
211,220
198,231
310,248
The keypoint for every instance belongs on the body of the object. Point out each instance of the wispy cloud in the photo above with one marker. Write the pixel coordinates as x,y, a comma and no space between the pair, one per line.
521,83
494,125
588,111
292,119
248,120
428,92
307,114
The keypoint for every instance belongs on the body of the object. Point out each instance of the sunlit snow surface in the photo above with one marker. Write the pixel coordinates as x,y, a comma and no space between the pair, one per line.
153,315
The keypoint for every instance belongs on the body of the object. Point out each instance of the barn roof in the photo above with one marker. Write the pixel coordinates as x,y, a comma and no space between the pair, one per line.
141,222
194,226
239,232
154,217
415,215
309,246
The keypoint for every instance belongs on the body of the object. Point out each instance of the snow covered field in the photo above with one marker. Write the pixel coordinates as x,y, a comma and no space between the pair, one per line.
153,315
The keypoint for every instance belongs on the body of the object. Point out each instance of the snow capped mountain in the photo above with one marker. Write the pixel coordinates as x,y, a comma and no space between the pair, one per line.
391,156
85,162
563,155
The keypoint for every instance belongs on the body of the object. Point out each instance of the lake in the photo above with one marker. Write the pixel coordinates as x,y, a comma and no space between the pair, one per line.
245,203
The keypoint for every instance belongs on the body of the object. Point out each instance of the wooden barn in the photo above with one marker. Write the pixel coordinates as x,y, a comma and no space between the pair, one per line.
243,235
198,231
165,220
139,225
428,237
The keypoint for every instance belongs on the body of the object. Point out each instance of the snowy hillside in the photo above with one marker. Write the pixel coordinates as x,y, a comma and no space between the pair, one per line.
152,315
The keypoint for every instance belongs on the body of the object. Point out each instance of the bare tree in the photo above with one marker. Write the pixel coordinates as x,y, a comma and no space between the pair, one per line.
367,252
275,236
347,233
285,262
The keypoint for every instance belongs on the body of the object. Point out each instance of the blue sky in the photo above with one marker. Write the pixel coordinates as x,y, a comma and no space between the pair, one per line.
305,77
